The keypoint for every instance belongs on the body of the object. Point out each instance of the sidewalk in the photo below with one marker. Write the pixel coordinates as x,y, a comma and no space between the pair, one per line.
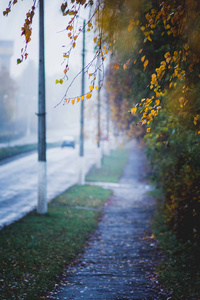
121,257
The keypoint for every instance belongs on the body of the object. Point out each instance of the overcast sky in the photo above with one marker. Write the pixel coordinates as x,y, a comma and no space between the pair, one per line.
54,38
10,29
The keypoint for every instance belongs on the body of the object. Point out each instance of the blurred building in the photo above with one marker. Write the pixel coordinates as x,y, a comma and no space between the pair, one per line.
6,51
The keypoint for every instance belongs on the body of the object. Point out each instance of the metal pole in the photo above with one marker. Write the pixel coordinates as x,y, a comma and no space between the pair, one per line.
82,164
98,108
107,152
108,118
42,201
98,163
82,92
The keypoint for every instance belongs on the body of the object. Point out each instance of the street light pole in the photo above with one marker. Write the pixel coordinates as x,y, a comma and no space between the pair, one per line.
42,198
98,164
82,167
98,107
82,93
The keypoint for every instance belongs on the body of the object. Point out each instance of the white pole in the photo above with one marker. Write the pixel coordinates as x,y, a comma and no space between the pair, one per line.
42,187
81,170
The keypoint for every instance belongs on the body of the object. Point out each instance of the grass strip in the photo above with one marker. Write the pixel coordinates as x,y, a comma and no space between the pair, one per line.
179,271
112,167
35,250
16,150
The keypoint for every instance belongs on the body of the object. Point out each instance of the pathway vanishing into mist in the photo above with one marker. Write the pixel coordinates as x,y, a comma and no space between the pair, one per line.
120,260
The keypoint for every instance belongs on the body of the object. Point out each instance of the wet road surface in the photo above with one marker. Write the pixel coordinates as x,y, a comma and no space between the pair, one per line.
18,180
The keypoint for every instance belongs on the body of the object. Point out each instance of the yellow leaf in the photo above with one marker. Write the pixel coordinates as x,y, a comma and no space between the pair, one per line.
96,87
168,59
57,81
125,66
74,45
106,51
135,61
78,99
148,129
116,66
88,96
82,97
91,87
69,27
142,28
167,26
146,63
198,132
157,102
95,39
149,38
143,58
73,101
89,24
99,43
133,110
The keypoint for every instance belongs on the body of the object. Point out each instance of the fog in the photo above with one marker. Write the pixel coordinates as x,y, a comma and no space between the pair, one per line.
22,79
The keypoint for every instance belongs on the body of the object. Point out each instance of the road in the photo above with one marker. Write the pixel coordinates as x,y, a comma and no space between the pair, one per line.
18,180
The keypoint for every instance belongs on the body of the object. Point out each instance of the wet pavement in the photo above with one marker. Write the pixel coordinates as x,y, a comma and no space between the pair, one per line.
120,260
19,180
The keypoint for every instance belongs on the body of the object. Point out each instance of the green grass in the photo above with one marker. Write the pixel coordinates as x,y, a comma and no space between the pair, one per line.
179,271
15,150
35,250
112,167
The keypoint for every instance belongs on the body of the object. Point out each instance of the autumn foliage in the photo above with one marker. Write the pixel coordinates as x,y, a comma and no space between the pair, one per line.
154,75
